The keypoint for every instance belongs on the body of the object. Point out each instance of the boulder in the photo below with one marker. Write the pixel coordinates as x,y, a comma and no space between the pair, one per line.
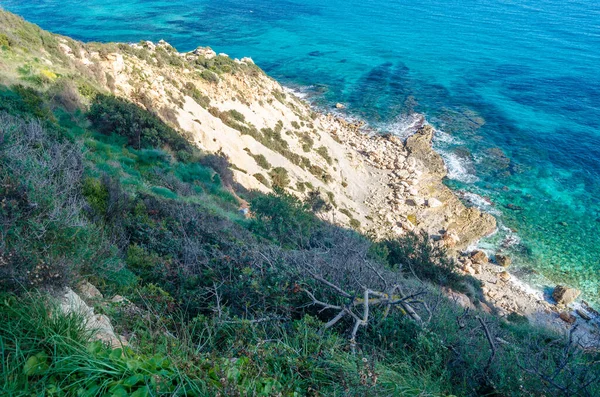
419,147
583,315
89,291
415,201
99,324
565,295
479,256
434,203
340,106
119,299
450,239
567,317
503,260
205,52
504,276
460,299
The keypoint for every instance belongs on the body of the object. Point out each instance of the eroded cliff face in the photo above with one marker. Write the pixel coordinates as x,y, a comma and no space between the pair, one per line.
376,183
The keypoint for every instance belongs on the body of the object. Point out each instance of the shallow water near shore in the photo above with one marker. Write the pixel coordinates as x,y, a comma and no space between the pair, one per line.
512,86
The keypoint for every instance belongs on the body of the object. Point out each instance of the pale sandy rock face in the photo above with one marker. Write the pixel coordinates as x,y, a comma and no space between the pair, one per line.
434,203
388,185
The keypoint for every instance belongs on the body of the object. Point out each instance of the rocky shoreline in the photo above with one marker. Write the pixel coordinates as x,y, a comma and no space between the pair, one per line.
387,185
410,177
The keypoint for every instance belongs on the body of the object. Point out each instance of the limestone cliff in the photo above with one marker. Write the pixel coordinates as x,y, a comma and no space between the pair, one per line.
375,183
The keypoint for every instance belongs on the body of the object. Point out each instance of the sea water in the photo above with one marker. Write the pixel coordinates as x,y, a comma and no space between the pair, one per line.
512,86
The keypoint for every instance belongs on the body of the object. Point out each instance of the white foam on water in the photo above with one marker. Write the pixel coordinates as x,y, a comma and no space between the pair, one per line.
299,92
406,125
458,167
478,201
511,238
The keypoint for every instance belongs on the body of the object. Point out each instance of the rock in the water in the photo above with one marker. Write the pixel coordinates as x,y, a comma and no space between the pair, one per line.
434,203
340,106
583,315
567,317
479,256
503,260
565,295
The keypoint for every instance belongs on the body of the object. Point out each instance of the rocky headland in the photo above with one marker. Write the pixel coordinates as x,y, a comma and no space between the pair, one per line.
379,184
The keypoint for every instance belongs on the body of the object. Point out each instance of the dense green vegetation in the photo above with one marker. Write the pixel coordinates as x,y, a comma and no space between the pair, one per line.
217,303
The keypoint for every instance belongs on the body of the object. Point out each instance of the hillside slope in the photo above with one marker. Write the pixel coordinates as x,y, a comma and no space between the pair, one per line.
180,225
232,107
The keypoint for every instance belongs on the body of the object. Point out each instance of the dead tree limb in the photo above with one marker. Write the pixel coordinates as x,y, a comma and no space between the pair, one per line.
491,342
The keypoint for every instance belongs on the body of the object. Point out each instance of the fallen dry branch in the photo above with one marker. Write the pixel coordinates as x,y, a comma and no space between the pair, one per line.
359,309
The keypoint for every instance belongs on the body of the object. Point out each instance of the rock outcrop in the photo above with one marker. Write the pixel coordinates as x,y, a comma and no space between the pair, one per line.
479,256
98,324
565,295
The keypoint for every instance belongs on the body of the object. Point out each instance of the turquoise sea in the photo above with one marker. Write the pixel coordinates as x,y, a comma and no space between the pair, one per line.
513,86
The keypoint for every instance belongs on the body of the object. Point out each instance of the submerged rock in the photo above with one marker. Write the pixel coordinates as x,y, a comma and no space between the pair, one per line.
340,106
565,295
503,260
583,314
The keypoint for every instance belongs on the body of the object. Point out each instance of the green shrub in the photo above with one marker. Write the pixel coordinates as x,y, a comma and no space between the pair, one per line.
307,143
200,98
4,41
316,202
163,192
143,129
260,159
283,218
325,154
25,101
279,95
346,212
279,177
415,253
262,179
46,352
210,76
237,116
